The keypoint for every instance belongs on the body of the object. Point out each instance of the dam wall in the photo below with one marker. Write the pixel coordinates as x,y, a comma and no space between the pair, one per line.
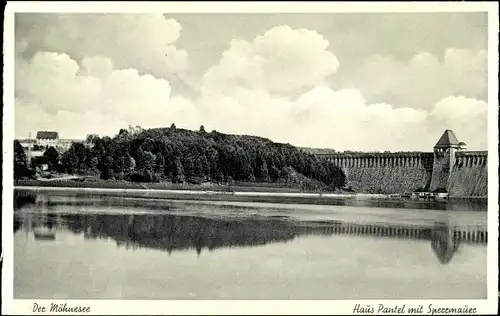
385,173
463,174
469,174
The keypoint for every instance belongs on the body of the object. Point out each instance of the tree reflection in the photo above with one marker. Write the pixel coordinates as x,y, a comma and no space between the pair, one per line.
174,232
169,232
17,223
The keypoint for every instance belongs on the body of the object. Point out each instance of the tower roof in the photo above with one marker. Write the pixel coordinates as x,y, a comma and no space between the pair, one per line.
447,140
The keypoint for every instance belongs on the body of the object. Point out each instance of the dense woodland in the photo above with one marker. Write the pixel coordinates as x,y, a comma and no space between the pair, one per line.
179,155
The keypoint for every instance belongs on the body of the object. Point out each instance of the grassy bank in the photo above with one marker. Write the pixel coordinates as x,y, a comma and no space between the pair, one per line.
113,184
142,197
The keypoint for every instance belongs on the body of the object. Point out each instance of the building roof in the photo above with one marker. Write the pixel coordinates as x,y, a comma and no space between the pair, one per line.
47,135
447,140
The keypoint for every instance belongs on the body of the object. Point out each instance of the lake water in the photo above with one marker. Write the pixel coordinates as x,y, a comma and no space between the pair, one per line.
138,249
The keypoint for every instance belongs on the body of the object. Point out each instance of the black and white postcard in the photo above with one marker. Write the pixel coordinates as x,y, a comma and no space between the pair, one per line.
250,158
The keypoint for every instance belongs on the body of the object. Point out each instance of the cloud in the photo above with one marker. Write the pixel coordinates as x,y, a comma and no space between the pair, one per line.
252,90
342,119
466,116
51,81
31,117
52,92
276,86
145,42
281,60
320,117
421,81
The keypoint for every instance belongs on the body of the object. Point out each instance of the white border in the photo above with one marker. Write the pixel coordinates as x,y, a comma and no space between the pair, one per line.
246,7
17,307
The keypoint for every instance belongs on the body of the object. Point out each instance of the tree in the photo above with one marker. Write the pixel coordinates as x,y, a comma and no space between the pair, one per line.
178,172
159,164
213,163
128,163
69,162
180,154
119,164
80,153
51,157
147,164
94,164
20,160
140,159
19,154
205,165
135,130
337,177
321,171
264,172
188,165
92,138
198,168
275,172
107,171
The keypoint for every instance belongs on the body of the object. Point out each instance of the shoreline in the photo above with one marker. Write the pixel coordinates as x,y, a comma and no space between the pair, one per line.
192,194
210,189
240,196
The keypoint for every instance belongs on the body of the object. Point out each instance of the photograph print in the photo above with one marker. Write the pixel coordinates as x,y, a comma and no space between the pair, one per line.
185,155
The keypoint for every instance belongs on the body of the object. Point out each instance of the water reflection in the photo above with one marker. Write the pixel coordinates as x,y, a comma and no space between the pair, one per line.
17,223
444,243
169,232
46,230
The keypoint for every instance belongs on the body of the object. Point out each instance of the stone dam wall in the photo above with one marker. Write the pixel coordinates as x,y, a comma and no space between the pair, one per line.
469,175
385,173
402,173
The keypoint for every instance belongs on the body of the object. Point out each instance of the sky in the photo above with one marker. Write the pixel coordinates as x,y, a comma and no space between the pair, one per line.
347,81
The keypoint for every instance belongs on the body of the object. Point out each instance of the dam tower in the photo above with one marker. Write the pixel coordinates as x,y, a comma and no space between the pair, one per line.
444,159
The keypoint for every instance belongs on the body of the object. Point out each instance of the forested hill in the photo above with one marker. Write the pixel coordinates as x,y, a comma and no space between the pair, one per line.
179,155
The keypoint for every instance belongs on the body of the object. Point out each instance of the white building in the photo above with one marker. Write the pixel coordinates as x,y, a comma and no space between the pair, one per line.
47,139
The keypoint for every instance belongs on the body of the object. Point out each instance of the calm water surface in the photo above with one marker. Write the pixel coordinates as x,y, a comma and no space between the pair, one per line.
118,249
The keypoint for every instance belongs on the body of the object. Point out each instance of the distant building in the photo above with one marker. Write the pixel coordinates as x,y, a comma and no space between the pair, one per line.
65,144
27,143
47,139
34,148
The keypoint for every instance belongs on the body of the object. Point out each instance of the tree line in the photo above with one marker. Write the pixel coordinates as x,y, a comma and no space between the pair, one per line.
180,155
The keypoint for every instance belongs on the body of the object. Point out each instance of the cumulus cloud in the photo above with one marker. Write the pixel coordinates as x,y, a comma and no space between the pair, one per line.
145,42
281,60
275,86
423,80
52,91
466,116
342,119
252,88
